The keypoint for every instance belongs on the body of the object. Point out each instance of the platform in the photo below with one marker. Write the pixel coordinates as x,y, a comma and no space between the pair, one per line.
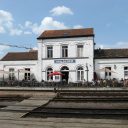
65,88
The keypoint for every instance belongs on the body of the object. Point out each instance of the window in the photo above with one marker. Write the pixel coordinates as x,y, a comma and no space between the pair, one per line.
125,72
56,77
11,74
64,51
79,50
107,72
49,52
80,74
49,78
27,74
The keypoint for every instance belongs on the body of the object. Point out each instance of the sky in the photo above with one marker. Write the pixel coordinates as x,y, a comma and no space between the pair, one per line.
22,21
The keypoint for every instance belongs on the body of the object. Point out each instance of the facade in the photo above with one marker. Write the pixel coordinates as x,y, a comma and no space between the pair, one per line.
116,60
19,66
70,52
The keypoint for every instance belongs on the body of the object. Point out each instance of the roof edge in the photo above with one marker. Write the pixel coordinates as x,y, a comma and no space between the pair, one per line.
39,38
67,36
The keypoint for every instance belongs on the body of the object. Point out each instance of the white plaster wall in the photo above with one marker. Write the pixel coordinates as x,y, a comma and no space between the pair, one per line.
71,42
72,54
5,65
119,63
72,67
39,61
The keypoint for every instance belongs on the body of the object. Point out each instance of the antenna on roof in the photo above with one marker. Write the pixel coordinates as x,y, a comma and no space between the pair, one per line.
17,46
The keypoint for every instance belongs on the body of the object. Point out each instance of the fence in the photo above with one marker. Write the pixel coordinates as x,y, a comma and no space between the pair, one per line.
34,83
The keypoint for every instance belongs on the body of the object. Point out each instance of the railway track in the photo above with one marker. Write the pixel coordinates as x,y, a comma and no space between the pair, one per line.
79,104
106,104
78,113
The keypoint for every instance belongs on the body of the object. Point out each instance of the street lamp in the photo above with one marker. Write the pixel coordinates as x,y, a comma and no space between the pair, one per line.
87,70
3,72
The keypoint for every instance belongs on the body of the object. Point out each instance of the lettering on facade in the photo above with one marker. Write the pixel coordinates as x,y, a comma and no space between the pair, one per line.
65,61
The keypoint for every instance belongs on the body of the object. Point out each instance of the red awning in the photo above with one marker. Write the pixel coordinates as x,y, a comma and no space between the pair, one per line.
55,73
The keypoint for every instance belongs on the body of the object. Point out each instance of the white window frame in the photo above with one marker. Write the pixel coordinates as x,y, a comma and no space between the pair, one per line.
50,52
64,51
27,75
57,77
48,71
80,73
126,72
108,74
80,50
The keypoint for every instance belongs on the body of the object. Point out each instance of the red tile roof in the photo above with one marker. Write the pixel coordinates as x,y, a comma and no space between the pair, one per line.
49,34
110,53
20,56
98,54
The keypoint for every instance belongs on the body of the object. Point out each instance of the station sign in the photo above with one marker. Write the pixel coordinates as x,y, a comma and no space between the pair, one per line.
65,61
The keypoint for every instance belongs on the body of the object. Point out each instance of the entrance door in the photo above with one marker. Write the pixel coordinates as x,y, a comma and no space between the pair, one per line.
65,71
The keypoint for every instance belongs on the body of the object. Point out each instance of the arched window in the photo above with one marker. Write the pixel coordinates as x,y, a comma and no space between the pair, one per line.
80,73
64,68
49,70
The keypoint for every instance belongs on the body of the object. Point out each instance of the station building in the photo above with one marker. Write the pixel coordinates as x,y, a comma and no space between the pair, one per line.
111,63
71,52
19,66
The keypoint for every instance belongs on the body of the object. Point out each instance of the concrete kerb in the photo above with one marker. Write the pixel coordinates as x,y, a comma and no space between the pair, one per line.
52,89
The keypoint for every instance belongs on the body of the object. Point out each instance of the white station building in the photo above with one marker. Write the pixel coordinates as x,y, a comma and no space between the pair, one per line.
19,66
71,52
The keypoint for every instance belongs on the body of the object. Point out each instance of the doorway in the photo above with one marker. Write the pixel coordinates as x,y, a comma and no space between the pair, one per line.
65,70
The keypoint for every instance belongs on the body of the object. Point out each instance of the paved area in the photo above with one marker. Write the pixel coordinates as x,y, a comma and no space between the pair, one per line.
62,123
12,119
19,109
91,105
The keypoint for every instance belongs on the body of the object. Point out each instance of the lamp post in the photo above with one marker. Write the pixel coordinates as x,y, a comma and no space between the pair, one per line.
3,72
18,74
105,73
87,72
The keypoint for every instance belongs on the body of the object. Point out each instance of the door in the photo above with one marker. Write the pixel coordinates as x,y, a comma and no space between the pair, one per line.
65,71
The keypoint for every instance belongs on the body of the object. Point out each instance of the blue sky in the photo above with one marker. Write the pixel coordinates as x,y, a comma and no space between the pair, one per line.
21,21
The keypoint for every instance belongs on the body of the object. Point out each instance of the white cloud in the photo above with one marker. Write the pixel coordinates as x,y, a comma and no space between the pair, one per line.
5,20
2,30
15,31
5,16
46,23
7,25
28,24
117,45
122,44
77,26
49,22
59,10
34,27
